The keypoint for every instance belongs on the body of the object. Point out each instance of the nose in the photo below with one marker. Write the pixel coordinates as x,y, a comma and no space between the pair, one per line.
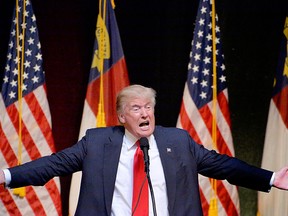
144,112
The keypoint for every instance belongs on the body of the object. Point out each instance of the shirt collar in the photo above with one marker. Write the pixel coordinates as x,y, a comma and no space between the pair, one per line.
130,139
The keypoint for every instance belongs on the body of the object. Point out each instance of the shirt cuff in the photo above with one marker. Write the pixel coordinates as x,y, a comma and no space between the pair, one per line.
272,179
7,176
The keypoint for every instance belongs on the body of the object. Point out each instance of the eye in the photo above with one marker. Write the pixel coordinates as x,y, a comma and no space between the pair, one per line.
135,108
148,107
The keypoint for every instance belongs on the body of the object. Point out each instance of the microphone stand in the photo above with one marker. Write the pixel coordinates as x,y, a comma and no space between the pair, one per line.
150,185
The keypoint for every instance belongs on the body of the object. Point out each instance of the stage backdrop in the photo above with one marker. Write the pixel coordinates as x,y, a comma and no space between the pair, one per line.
156,39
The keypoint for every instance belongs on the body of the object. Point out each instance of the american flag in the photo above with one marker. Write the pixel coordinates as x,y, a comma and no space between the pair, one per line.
196,113
27,117
115,77
276,138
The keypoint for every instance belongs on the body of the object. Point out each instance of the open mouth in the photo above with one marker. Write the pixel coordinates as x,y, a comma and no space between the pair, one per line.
143,124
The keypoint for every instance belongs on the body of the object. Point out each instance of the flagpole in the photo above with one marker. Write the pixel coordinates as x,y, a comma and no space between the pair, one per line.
20,191
213,208
101,110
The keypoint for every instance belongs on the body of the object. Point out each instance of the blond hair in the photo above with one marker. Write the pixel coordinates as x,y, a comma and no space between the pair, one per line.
134,91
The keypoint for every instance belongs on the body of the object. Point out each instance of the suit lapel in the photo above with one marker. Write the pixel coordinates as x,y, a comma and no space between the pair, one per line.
112,151
166,151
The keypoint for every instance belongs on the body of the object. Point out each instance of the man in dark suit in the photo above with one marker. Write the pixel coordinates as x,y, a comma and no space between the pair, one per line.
105,157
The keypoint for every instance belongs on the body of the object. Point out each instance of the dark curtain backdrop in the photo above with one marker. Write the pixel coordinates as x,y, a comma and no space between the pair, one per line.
156,38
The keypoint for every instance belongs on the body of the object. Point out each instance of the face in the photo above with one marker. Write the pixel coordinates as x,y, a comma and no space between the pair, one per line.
138,117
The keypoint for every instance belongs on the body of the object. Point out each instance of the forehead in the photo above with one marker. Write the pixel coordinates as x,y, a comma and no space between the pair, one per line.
138,101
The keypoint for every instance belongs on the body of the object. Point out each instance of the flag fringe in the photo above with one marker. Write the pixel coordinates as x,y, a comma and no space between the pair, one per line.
20,192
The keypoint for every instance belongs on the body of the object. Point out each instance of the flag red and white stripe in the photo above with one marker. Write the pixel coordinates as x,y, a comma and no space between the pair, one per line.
196,113
26,116
37,141
198,124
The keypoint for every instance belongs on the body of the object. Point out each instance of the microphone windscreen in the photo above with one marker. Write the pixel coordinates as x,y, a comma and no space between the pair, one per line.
144,142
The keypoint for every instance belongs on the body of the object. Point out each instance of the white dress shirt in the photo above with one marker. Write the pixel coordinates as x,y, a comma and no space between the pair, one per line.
122,197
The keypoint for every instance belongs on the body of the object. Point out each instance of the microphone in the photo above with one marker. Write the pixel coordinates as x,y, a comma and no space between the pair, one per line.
144,145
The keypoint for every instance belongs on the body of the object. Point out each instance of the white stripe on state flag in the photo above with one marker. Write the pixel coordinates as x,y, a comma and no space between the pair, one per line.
74,194
89,121
274,203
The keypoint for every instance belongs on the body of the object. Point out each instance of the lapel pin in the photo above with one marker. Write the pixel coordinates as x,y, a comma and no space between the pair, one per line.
169,150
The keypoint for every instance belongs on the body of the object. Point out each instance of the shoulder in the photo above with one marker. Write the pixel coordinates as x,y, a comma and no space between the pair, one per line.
105,131
110,129
169,129
171,132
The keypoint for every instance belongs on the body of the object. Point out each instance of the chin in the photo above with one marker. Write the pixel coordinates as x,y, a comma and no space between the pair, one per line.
146,133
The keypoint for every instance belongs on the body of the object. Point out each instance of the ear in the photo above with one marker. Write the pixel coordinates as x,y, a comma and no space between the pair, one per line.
121,118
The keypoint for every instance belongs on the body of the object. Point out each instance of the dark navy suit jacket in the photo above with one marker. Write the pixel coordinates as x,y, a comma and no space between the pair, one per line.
97,155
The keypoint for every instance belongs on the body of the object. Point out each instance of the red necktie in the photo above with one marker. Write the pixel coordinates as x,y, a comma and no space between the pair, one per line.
140,203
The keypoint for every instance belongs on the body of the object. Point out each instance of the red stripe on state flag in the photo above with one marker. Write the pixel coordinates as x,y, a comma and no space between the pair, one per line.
276,137
116,78
281,101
